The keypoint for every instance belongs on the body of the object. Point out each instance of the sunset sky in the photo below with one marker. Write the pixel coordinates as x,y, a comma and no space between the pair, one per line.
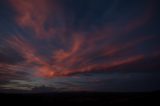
79,45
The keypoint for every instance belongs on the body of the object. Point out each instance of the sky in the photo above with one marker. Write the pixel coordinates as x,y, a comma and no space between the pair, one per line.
79,45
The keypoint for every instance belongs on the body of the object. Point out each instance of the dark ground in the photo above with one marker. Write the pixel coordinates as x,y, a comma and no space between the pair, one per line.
79,98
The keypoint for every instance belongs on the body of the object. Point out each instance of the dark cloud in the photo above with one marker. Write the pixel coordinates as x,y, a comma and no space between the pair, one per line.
9,56
149,64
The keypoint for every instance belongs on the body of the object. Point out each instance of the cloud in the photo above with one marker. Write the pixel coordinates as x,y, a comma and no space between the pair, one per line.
35,15
50,44
9,55
80,52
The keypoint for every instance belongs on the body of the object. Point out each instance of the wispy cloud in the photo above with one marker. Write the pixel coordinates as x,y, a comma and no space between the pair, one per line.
58,47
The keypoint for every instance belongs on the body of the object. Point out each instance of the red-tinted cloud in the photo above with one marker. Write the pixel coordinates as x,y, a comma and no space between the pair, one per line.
78,52
35,14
